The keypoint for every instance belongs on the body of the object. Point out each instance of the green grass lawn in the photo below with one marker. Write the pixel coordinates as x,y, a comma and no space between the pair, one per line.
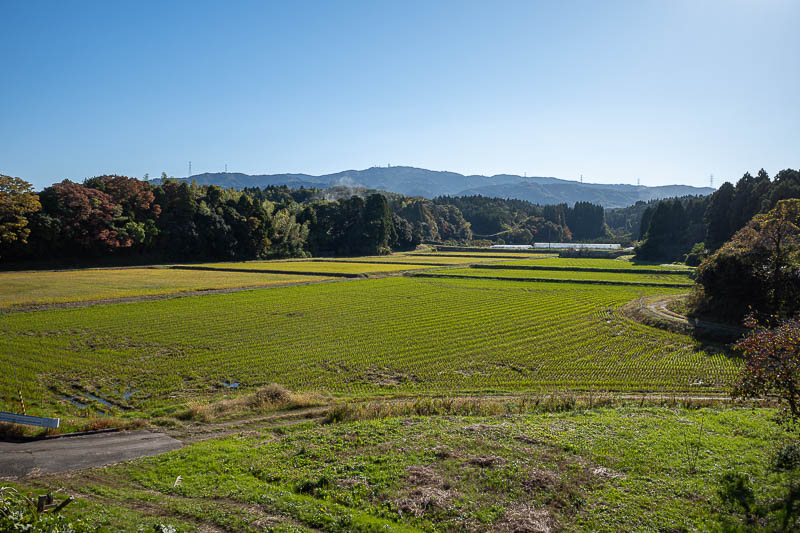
598,470
360,337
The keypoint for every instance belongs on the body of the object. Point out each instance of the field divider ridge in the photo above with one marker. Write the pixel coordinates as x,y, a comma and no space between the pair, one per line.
505,250
480,256
552,280
586,269
348,261
270,271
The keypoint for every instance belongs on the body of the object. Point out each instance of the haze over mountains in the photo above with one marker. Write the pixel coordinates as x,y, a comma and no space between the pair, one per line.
412,181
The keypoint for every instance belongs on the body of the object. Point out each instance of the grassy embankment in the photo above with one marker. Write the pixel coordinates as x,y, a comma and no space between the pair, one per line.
595,469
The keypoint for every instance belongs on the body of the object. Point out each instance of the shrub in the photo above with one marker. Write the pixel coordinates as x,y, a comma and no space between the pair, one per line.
19,513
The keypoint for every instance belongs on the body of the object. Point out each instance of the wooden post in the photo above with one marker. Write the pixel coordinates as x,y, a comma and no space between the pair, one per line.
21,401
63,504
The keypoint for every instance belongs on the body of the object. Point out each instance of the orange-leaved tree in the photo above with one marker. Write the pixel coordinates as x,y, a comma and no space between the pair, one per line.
17,200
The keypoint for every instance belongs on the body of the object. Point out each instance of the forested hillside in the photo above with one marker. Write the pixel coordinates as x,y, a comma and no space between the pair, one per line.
671,229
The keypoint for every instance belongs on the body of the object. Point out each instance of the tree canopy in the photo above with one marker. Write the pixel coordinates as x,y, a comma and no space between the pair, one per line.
17,201
758,269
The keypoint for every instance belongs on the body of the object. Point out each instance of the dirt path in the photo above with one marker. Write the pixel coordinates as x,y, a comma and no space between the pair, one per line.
655,307
196,433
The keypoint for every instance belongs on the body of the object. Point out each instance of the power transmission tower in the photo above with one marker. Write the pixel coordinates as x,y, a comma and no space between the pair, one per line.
226,168
581,178
638,182
711,181
190,168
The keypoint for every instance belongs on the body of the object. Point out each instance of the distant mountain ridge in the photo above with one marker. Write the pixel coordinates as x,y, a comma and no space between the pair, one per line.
411,181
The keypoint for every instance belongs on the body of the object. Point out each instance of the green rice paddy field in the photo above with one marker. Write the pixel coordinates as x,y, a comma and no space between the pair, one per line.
410,258
488,254
566,262
552,460
301,267
389,335
62,286
589,275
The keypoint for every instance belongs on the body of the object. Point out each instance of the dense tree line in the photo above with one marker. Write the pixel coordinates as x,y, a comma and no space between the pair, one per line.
673,229
130,219
171,220
127,218
522,222
177,221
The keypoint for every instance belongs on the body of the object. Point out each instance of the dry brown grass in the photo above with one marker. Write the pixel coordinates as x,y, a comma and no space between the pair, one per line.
267,398
11,431
98,424
488,406
524,518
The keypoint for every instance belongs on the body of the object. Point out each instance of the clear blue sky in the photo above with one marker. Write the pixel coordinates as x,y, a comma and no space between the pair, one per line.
667,91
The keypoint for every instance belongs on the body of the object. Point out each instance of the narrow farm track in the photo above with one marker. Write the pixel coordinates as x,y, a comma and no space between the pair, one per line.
655,307
659,307
200,432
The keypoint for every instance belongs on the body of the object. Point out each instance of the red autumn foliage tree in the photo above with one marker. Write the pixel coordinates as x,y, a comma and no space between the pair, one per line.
87,215
773,363
134,196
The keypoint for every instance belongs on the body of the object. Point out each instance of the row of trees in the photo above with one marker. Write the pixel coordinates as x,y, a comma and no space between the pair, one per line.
117,215
522,222
670,229
126,218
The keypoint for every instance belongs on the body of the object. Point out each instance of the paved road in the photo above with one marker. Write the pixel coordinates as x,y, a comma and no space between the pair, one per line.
50,456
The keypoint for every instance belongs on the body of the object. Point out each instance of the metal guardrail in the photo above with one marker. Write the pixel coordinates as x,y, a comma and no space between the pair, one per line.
29,420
